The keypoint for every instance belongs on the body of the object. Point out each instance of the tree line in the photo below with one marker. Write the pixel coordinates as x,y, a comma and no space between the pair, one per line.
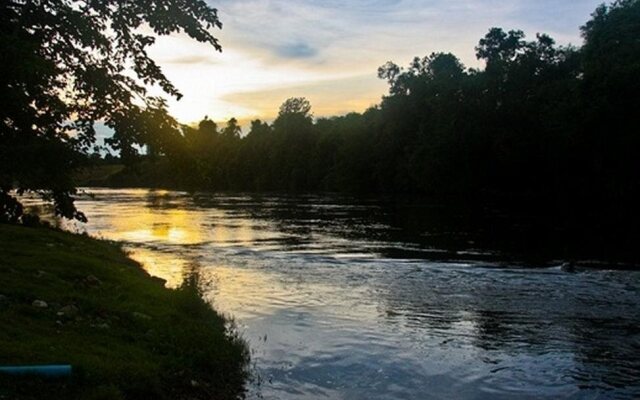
539,121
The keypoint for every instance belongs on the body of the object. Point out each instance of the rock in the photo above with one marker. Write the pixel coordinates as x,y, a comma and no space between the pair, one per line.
40,304
141,315
158,280
69,311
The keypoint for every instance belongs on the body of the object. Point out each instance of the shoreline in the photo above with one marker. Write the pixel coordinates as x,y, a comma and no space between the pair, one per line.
72,299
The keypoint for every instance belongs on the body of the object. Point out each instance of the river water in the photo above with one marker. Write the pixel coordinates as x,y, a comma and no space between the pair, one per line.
346,298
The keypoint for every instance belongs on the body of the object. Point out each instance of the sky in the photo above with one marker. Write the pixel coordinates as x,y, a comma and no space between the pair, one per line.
329,51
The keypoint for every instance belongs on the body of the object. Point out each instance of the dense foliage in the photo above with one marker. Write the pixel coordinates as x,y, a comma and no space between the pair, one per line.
69,63
540,121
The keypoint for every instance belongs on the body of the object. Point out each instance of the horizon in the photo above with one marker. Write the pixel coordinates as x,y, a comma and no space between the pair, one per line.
333,56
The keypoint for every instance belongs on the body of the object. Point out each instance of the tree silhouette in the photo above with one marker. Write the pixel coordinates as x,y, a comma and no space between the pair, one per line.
64,69
546,126
232,130
295,105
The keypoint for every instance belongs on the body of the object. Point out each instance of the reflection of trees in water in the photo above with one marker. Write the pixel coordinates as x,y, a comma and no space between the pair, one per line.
159,199
384,223
426,230
300,217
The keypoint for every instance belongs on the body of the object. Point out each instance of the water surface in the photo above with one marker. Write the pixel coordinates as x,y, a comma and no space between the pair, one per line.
347,298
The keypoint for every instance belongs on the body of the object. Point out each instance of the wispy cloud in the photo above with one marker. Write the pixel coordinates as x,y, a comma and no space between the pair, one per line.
327,97
329,49
296,50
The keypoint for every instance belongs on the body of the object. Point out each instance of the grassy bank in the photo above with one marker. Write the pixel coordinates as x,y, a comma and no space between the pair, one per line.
75,300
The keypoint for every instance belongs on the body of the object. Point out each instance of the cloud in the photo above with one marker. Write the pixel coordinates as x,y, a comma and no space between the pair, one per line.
328,98
272,46
191,59
297,50
395,27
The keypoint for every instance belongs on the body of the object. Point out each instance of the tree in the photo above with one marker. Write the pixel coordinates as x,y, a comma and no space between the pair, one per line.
498,48
295,105
611,51
421,71
258,129
67,64
208,127
232,130
611,66
294,116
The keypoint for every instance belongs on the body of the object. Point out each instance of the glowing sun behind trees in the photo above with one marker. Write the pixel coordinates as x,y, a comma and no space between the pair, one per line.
68,64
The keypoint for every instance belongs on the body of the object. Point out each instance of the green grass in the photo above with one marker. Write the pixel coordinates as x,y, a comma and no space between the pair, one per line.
131,338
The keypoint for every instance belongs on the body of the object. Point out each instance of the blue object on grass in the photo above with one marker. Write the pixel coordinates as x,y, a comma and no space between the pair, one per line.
42,370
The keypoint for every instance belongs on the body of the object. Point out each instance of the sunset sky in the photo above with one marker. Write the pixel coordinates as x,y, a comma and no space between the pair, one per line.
329,51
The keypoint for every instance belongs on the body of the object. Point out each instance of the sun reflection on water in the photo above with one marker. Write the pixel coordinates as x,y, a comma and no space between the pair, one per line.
170,267
162,230
172,226
151,228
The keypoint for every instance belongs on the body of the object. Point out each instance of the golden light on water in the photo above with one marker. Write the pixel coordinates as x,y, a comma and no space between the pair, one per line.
232,288
240,233
160,221
173,268
160,230
173,226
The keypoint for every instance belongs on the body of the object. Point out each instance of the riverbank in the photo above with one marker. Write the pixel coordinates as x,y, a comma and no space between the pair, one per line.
72,299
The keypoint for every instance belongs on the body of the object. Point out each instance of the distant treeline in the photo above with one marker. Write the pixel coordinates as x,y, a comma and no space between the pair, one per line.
540,121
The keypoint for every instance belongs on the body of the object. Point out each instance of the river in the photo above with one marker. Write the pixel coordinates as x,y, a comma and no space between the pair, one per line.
345,298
